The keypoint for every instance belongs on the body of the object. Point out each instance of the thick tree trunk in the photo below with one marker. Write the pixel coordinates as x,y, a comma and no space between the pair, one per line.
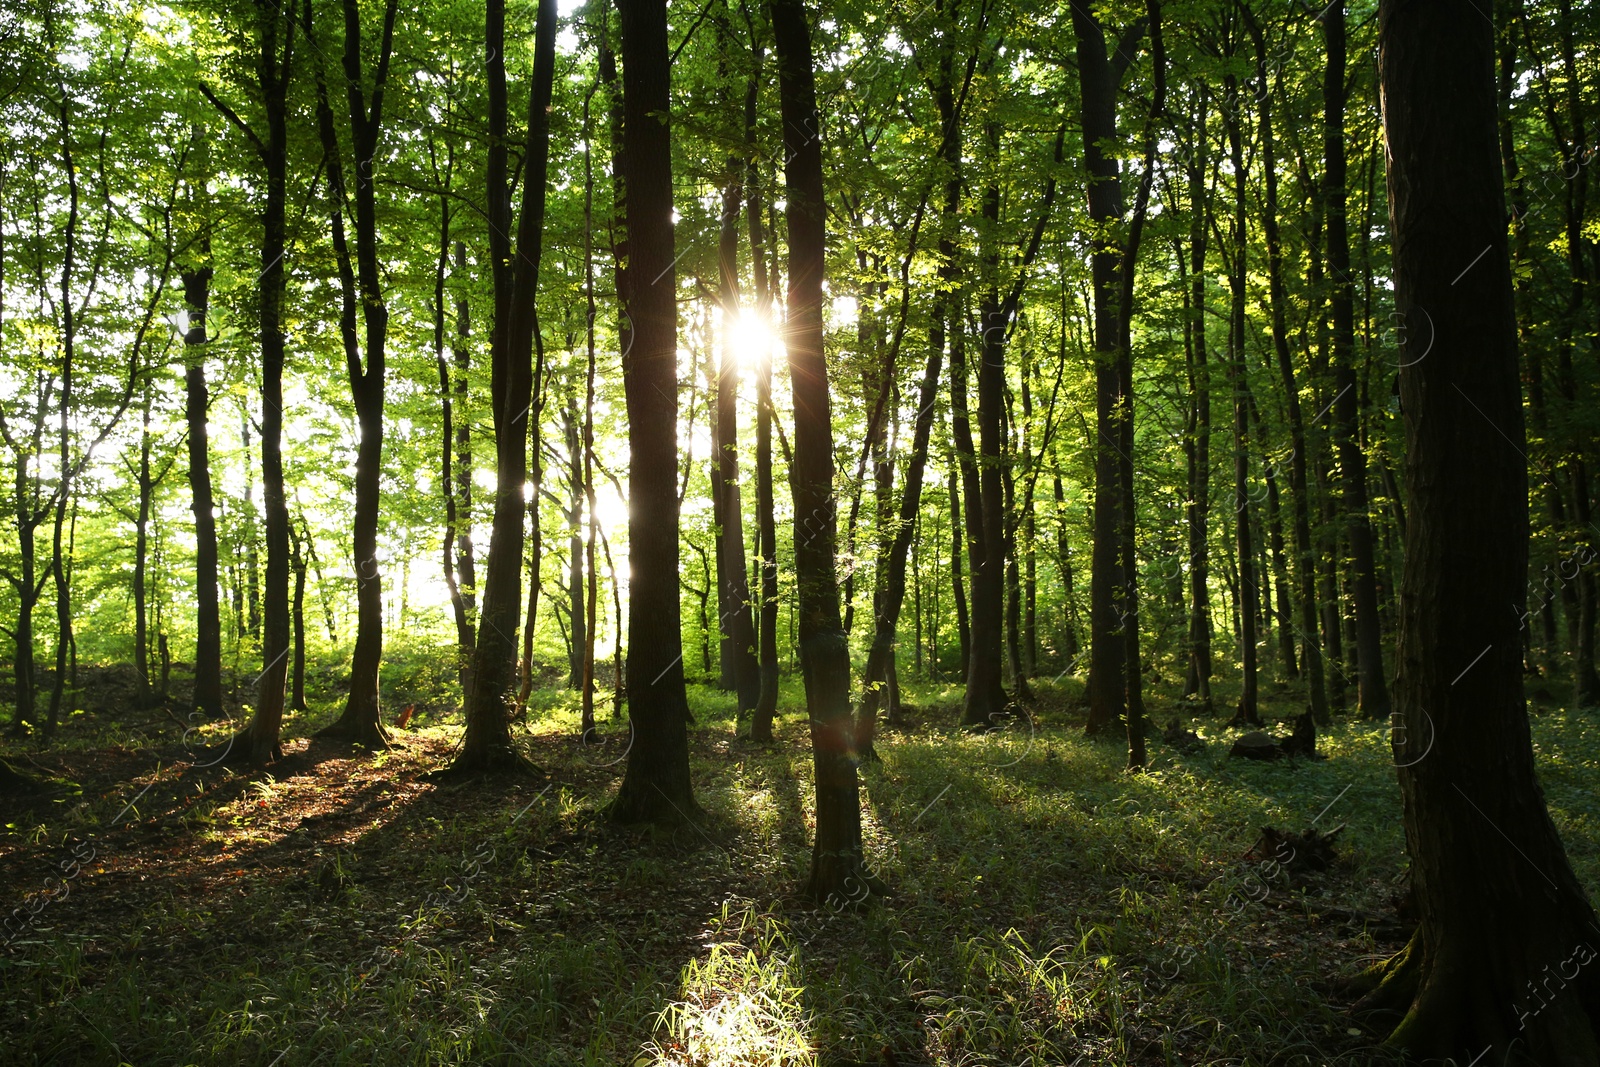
656,786
487,744
1373,687
1502,917
838,866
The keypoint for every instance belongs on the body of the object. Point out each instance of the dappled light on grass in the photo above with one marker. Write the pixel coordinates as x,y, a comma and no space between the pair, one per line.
741,1005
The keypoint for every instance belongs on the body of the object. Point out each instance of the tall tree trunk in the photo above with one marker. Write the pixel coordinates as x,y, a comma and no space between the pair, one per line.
838,865
1107,686
766,525
258,741
1238,381
733,582
457,520
1499,906
207,695
656,786
1299,490
986,698
361,721
487,744
1197,441
1373,688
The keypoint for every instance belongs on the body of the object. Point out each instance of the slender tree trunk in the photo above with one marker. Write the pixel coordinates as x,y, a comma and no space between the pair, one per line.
656,786
838,866
733,588
1249,592
1501,914
1299,490
1373,688
141,558
766,525
1197,451
361,721
457,504
259,741
207,696
577,599
958,585
297,564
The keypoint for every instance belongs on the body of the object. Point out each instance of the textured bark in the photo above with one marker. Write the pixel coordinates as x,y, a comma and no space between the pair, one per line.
259,741
365,356
1106,689
656,786
838,866
1502,917
207,696
487,744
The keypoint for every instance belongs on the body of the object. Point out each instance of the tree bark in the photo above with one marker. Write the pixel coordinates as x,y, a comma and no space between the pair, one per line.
361,721
207,695
1238,381
1373,690
259,741
838,865
766,525
733,585
487,745
1106,689
656,786
1501,914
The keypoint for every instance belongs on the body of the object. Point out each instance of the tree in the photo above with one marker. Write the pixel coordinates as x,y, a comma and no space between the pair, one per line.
1499,906
1373,688
487,745
258,741
838,866
656,786
361,721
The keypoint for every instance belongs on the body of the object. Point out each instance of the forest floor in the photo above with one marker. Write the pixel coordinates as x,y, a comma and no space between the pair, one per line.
1048,907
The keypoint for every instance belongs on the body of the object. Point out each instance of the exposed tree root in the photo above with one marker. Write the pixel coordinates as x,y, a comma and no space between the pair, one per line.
366,735
492,759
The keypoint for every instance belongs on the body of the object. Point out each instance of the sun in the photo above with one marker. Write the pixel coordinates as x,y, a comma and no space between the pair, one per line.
752,337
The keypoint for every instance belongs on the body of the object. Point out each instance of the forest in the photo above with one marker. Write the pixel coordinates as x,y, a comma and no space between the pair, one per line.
796,532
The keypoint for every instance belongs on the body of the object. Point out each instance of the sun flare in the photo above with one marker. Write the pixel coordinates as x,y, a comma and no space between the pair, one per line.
752,337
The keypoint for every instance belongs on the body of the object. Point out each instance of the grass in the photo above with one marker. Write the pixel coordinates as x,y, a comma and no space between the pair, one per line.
1049,908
